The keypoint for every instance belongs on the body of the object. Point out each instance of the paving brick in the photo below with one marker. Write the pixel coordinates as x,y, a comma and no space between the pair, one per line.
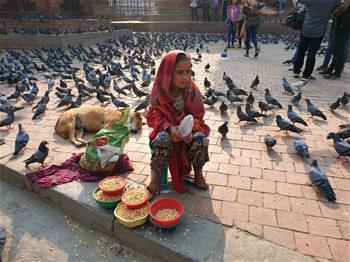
220,158
136,177
216,179
312,245
340,249
236,211
265,186
334,210
224,193
323,227
263,216
228,169
280,236
292,221
240,161
305,206
264,164
254,154
343,197
274,175
250,198
344,228
343,184
239,182
283,166
138,167
310,193
250,171
289,189
211,166
276,202
297,178
215,149
244,144
254,229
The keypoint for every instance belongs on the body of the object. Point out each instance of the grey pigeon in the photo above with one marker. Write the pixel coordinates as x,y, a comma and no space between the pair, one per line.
335,105
297,98
319,178
232,97
255,82
270,141
40,110
287,87
223,108
344,133
313,110
22,139
10,117
117,102
142,105
287,126
251,112
344,99
342,148
270,99
244,117
302,149
264,107
293,117
39,156
223,129
250,98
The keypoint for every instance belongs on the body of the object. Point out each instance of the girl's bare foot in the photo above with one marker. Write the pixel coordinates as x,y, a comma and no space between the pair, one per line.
154,185
199,180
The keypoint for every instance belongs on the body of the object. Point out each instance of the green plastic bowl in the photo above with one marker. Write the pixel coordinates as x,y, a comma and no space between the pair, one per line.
106,204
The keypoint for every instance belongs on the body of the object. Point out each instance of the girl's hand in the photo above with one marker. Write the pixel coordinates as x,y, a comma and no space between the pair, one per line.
188,138
175,137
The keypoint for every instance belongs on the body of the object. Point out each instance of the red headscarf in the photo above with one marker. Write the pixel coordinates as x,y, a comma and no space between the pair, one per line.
162,114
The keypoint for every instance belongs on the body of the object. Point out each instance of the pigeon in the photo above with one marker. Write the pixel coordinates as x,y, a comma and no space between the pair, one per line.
207,67
223,108
270,141
118,103
223,129
296,98
232,97
344,99
287,87
118,89
142,105
313,110
270,99
8,120
293,117
40,110
44,100
299,84
255,82
138,92
103,99
342,148
244,117
287,126
302,149
28,97
210,101
75,104
319,178
264,107
22,139
250,98
251,112
39,156
335,104
207,83
344,133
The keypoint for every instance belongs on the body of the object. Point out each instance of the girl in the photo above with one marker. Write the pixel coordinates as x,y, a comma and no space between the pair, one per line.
232,16
251,12
175,95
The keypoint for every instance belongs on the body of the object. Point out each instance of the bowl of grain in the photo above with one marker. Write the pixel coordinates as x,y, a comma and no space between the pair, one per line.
132,217
112,185
104,200
166,211
135,198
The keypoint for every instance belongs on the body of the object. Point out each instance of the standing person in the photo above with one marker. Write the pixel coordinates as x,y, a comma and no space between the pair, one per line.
231,22
205,4
251,11
194,11
215,9
240,23
341,37
224,9
312,32
175,95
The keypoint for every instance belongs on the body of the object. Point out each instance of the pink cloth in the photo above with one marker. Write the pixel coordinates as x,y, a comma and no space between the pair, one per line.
70,170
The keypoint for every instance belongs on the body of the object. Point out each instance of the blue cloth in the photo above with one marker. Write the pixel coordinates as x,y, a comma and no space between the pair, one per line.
231,34
252,35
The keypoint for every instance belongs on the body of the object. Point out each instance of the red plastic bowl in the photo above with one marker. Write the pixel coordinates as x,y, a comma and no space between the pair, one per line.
113,192
139,205
166,203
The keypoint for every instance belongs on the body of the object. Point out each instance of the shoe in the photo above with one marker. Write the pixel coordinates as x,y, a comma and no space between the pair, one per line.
295,75
228,46
256,54
324,72
321,68
332,76
246,55
305,78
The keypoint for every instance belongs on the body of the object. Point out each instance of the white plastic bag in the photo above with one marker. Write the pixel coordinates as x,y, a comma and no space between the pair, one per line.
186,125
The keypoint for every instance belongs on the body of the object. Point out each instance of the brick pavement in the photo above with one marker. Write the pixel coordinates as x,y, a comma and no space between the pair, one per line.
266,193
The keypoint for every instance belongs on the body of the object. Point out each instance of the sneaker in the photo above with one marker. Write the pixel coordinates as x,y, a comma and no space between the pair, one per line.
321,68
256,54
305,78
295,75
228,46
246,55
332,76
324,72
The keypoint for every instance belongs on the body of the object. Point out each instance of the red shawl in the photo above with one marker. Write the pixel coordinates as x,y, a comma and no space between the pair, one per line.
162,114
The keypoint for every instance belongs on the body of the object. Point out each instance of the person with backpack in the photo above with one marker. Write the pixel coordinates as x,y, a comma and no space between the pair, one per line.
313,29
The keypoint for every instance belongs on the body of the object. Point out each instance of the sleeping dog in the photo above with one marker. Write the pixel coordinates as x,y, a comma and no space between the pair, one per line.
72,123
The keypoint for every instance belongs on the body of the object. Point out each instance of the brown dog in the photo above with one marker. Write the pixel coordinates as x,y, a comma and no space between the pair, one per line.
72,123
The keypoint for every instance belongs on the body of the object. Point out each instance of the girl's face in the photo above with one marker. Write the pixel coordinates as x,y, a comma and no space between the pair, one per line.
182,74
234,2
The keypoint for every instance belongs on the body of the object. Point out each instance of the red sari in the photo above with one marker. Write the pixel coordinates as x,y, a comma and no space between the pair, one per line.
162,114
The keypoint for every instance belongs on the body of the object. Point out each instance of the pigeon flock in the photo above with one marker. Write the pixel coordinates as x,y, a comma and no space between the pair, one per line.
113,71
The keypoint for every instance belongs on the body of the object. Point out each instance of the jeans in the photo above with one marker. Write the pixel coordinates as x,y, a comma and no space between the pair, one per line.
194,12
311,45
231,34
251,35
206,14
346,50
330,48
215,12
340,41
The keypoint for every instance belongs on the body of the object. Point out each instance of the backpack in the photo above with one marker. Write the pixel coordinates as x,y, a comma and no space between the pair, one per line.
295,19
